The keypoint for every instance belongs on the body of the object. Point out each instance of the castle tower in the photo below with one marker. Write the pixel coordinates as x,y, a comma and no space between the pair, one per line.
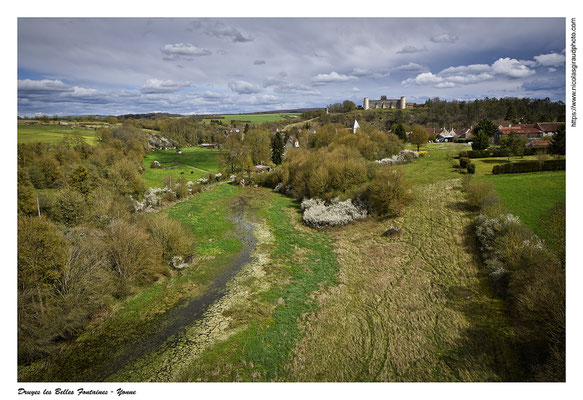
365,103
402,104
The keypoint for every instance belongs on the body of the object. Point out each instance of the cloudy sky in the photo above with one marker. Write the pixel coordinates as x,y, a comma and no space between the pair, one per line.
119,66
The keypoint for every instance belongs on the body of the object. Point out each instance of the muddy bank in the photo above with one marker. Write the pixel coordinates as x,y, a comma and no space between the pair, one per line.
173,325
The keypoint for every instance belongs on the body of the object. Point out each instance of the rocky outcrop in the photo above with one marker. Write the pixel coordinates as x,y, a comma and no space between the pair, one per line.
160,142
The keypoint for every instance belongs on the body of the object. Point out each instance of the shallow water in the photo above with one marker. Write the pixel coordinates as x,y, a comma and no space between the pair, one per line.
175,322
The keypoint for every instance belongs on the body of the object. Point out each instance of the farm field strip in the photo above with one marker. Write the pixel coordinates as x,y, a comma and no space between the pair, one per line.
194,163
256,118
53,133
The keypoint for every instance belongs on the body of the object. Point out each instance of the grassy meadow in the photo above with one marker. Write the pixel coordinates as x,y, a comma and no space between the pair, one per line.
531,195
256,119
194,162
528,195
53,133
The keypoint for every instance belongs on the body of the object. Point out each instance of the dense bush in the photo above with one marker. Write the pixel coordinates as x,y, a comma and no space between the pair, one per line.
464,162
175,239
324,173
471,168
317,214
481,194
529,166
388,192
132,251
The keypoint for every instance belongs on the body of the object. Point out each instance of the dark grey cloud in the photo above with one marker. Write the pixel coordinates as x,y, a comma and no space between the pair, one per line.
28,86
163,86
221,30
259,62
411,49
183,51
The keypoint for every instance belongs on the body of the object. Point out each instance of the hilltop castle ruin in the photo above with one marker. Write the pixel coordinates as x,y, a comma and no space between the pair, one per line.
384,103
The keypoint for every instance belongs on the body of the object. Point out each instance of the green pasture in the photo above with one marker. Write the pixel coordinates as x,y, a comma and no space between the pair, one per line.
527,195
53,133
531,195
436,165
194,163
257,118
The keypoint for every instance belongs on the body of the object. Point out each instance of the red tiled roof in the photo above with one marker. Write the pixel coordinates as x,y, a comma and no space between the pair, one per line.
540,143
520,129
433,130
548,126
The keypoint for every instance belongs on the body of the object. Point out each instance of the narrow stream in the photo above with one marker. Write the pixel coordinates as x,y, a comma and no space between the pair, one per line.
188,311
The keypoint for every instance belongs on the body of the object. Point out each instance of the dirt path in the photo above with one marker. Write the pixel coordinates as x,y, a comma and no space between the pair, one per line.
192,325
409,308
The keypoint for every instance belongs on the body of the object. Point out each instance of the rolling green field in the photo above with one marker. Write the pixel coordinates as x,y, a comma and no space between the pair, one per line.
195,162
52,133
257,118
531,195
527,195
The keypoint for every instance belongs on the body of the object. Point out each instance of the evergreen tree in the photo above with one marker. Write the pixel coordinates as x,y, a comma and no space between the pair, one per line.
486,126
558,141
277,148
511,114
481,141
400,132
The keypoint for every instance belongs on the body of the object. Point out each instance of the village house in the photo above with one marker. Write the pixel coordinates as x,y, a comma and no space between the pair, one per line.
446,135
548,128
539,143
292,141
529,131
463,133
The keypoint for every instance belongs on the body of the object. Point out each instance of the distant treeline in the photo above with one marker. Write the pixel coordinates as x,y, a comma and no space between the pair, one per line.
436,113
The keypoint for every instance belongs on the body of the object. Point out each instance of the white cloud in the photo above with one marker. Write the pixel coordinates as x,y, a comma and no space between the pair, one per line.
162,86
355,89
528,63
444,38
471,74
445,85
466,69
243,87
511,67
322,79
208,95
410,67
84,92
551,69
411,49
43,86
183,51
550,60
